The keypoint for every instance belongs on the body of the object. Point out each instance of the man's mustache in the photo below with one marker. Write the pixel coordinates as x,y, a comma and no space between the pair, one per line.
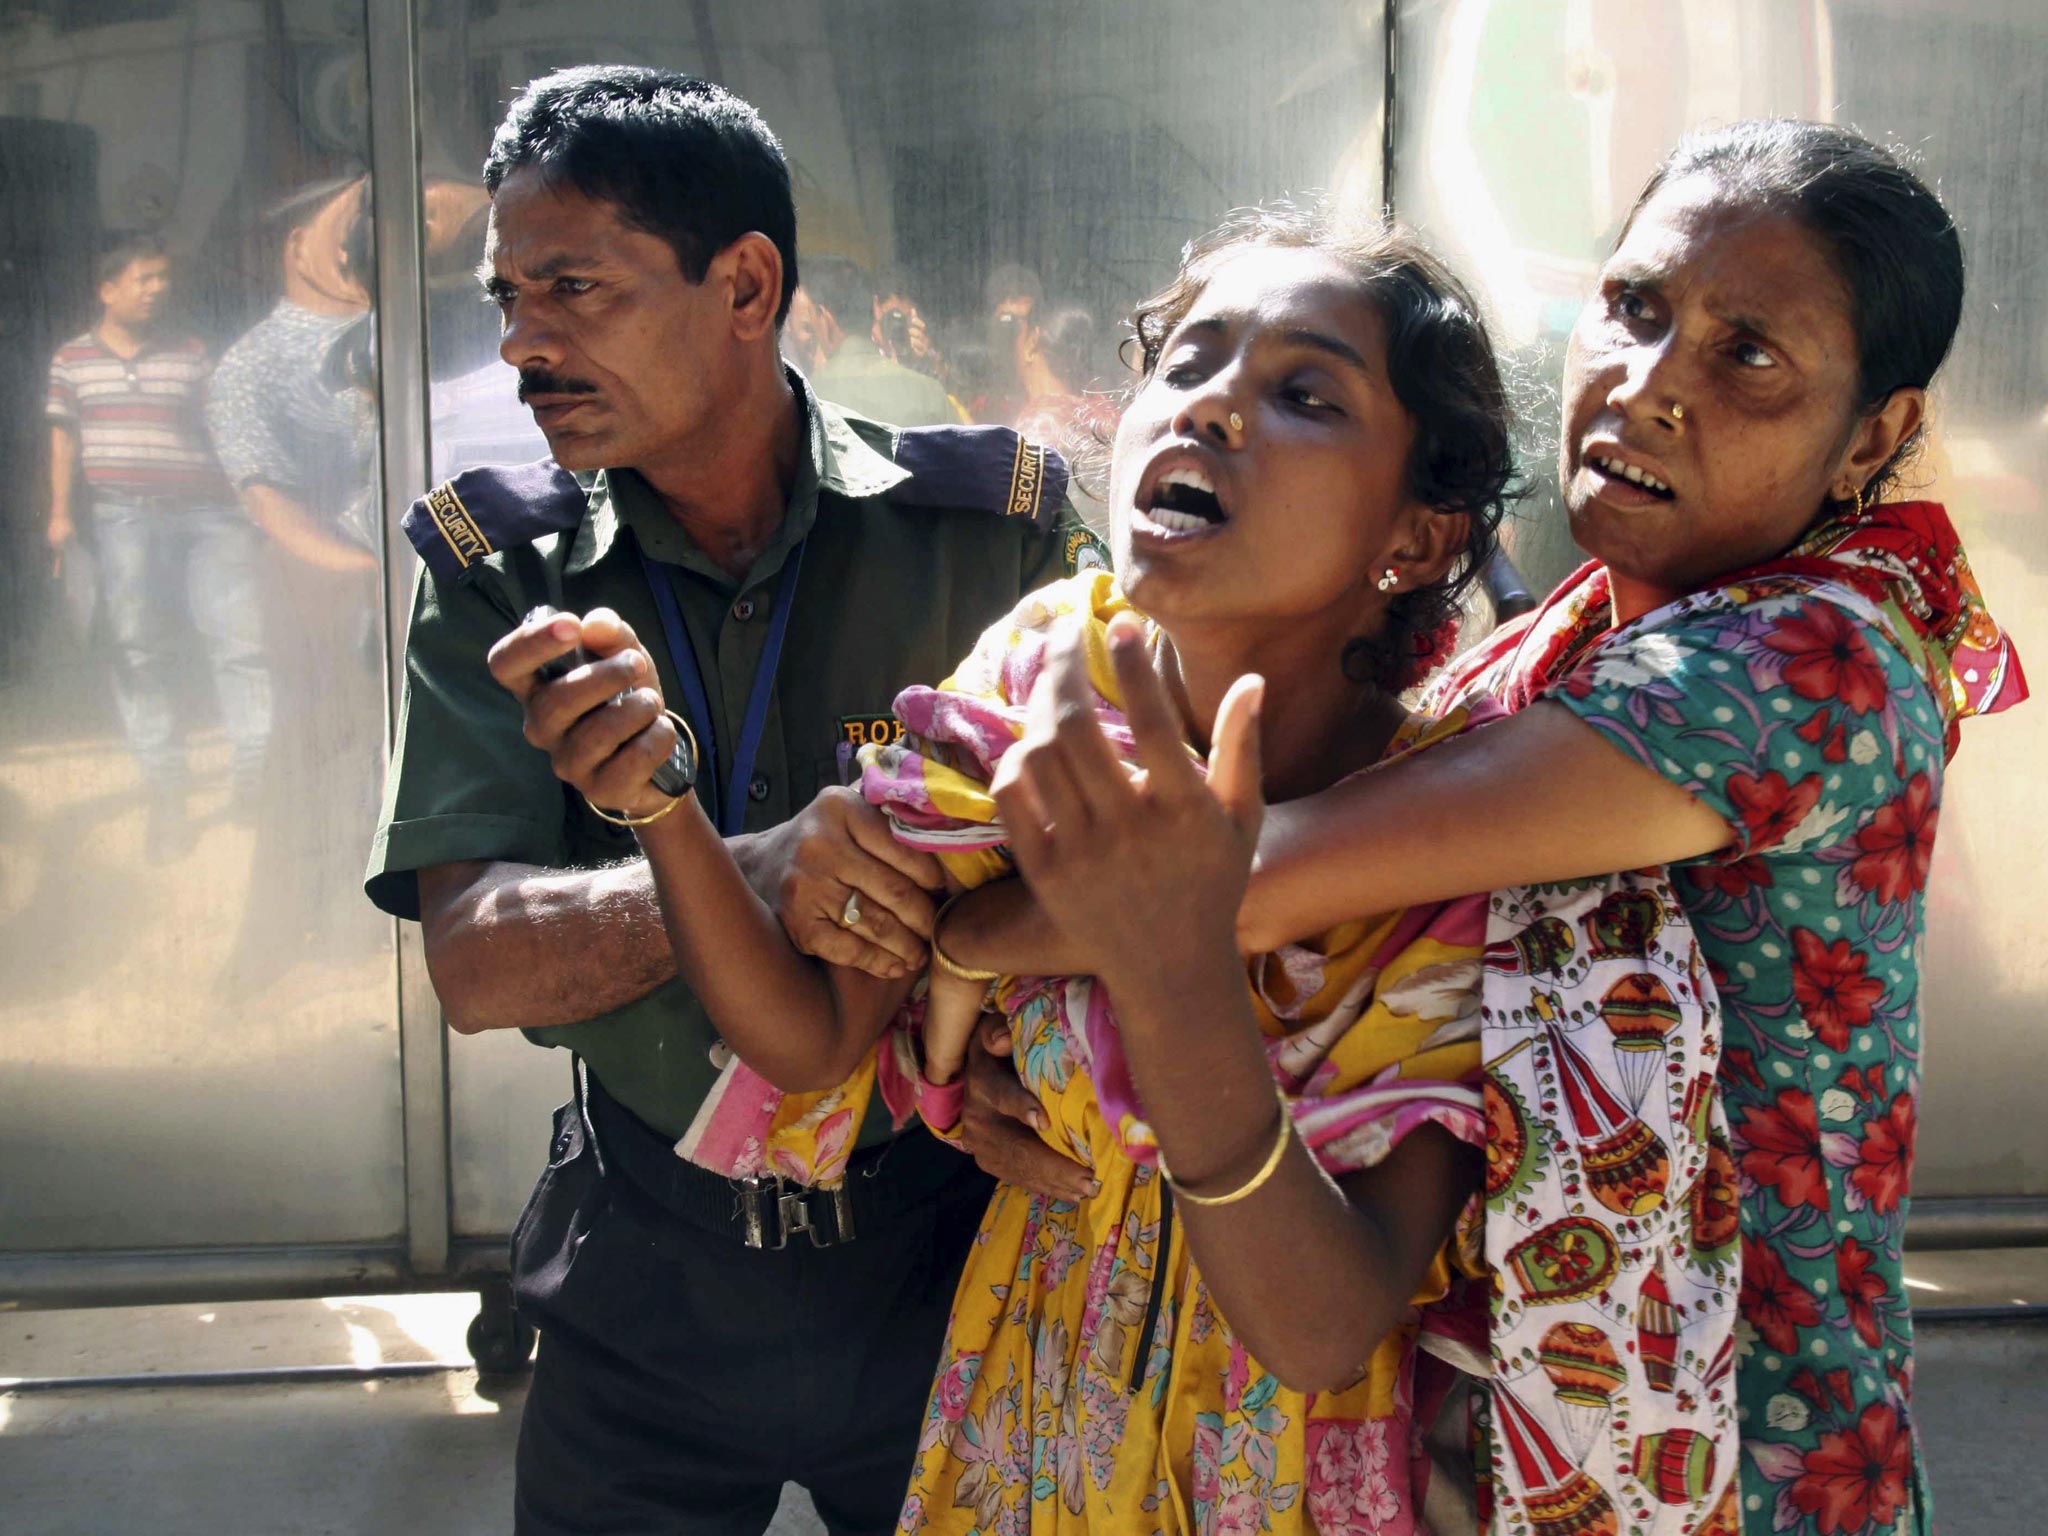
535,381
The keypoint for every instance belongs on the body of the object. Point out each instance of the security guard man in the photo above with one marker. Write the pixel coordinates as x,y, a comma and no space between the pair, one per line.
791,567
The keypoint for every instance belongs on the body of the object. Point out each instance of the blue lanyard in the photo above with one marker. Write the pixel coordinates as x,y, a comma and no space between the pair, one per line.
732,799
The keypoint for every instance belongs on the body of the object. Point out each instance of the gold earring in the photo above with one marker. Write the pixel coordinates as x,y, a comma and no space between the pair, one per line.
1856,491
1236,422
1387,579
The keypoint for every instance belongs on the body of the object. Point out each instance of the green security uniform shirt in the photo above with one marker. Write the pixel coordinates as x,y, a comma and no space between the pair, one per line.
893,591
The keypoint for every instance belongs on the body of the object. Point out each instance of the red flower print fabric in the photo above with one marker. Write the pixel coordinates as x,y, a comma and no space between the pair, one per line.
1812,701
1788,707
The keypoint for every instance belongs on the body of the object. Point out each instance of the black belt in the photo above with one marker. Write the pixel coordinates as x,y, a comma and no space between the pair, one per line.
882,1183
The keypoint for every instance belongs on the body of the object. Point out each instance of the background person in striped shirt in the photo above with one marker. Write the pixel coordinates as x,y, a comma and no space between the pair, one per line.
131,462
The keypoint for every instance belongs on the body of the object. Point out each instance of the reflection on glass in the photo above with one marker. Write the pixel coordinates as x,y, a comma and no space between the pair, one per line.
293,413
853,358
202,1047
477,414
1013,298
200,1010
291,408
129,458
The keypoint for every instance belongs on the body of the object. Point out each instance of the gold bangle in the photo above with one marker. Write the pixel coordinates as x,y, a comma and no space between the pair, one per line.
1250,1185
632,821
652,816
946,962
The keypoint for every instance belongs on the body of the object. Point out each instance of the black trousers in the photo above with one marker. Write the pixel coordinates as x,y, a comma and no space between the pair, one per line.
683,1376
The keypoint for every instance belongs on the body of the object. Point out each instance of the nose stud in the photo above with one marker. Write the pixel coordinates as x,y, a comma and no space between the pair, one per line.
1677,411
1236,422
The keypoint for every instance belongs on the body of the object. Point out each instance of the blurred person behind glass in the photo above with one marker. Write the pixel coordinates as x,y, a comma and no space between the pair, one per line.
1060,367
852,370
1012,299
292,411
477,415
1061,363
966,367
295,438
901,330
129,458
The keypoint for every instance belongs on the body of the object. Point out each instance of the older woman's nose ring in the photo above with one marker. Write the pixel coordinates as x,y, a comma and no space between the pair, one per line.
1236,422
1677,411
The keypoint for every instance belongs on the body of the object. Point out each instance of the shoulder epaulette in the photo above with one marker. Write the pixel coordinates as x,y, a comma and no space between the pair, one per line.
985,468
481,511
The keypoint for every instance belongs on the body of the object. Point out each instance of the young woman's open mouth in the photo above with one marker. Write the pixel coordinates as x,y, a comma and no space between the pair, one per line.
1178,503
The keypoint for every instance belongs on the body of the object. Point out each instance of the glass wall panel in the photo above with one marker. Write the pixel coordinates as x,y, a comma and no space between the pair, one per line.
1523,132
199,1009
983,191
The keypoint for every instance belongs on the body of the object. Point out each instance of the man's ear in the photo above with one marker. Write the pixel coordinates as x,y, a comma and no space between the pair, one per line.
1427,544
754,278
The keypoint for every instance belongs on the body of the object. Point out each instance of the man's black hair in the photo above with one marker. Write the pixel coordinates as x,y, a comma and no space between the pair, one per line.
843,286
894,281
1012,281
679,157
121,252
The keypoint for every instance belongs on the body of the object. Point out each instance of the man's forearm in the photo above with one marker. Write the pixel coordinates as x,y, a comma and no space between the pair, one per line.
516,946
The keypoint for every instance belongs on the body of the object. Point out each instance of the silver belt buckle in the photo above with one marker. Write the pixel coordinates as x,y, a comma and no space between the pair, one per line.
831,1223
791,1207
752,1193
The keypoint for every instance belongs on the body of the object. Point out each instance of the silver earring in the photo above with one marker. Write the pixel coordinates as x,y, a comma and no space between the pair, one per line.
1387,579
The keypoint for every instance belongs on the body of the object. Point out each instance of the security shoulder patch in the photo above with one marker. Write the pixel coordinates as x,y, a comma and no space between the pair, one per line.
462,521
991,469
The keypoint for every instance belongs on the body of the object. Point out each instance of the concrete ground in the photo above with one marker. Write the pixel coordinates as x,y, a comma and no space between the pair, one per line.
433,1452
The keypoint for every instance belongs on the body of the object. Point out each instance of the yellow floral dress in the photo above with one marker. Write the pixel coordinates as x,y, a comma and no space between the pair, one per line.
1089,1381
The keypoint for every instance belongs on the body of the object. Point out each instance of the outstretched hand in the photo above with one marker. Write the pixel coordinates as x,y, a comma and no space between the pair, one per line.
1137,871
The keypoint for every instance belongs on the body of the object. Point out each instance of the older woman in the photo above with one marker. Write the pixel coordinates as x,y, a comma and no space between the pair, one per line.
1759,679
